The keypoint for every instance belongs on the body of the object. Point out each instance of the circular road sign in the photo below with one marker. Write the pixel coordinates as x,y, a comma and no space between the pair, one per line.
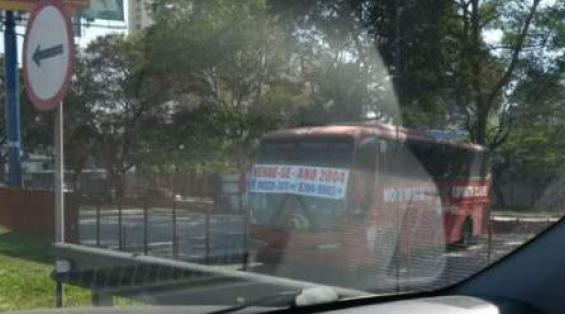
48,54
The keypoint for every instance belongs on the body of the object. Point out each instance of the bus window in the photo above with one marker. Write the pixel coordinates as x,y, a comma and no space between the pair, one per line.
444,162
463,163
432,157
400,162
323,153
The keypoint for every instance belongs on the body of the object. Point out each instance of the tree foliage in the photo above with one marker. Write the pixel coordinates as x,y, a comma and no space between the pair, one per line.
199,87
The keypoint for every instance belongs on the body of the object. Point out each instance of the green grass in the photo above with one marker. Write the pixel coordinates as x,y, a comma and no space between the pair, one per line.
26,263
27,285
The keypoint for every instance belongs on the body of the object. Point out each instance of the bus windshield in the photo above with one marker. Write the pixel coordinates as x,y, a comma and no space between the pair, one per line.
300,184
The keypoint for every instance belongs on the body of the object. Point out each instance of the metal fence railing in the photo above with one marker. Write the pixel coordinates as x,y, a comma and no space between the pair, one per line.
174,232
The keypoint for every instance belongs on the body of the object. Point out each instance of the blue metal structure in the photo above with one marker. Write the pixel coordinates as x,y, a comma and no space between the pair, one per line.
12,101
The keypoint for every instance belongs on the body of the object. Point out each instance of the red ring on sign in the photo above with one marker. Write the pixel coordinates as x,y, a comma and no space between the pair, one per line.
53,102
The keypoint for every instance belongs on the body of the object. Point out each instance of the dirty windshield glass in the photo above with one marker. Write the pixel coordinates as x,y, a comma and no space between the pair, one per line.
213,153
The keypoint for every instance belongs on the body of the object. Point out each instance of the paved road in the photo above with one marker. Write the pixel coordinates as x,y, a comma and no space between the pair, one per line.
226,240
417,273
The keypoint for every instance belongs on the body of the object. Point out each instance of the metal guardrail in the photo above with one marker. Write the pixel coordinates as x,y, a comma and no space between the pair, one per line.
131,274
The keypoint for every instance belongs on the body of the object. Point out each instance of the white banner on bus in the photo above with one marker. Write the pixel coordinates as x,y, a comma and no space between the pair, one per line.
300,180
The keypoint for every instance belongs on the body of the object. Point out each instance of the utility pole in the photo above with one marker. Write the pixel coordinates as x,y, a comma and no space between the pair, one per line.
12,107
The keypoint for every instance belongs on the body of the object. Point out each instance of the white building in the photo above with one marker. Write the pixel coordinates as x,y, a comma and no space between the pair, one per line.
139,16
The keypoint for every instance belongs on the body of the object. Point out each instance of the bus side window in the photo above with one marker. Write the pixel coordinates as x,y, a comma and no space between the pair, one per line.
408,160
399,161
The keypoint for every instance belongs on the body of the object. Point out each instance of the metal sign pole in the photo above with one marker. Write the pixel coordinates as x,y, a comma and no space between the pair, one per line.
47,68
59,209
59,177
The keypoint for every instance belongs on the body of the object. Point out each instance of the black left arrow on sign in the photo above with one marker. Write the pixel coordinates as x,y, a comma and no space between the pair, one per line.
42,54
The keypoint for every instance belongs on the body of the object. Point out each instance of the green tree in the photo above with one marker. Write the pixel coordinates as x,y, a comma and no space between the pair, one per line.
444,73
345,78
227,61
116,104
535,150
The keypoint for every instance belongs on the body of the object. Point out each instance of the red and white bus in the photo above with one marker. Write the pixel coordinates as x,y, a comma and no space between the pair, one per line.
356,196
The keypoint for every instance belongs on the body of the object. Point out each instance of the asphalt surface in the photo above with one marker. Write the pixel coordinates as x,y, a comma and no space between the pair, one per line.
223,245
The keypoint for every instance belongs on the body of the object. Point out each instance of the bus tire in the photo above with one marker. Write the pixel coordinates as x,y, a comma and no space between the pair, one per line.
467,239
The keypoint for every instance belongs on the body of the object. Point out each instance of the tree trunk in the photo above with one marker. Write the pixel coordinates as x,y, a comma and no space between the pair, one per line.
120,185
480,129
116,183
